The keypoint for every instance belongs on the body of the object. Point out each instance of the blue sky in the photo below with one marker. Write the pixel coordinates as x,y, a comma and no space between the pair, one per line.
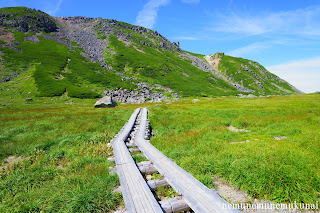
282,35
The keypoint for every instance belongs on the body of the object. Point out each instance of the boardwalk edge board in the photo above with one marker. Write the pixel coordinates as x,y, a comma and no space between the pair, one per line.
136,191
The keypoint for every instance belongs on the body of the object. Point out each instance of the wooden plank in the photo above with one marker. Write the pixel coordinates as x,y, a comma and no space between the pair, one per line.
154,184
196,195
126,191
136,193
175,204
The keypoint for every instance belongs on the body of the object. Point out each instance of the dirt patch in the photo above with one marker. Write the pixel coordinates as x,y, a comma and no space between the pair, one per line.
11,160
6,36
213,61
234,129
230,193
237,197
63,166
120,209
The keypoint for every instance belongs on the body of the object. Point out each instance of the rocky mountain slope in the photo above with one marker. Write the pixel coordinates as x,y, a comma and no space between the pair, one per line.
84,57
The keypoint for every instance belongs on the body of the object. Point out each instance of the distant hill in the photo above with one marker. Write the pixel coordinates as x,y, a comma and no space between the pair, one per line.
84,57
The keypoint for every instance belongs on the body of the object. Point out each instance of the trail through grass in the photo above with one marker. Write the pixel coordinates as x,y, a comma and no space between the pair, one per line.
64,147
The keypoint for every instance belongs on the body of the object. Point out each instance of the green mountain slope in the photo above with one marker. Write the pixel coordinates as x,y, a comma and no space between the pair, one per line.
88,57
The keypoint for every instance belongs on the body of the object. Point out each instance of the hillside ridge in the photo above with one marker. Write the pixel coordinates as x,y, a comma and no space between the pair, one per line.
131,63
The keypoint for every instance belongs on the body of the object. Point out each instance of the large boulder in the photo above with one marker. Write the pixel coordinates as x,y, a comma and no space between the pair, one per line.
104,102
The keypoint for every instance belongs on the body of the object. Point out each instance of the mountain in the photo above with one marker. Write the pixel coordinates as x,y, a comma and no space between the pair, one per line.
85,57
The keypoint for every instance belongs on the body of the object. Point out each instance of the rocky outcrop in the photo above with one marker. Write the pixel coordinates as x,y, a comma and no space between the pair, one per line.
176,43
247,96
89,41
27,20
214,61
90,36
32,38
142,95
200,64
104,102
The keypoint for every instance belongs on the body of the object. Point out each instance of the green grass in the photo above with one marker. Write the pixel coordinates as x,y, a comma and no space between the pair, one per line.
195,135
64,149
231,65
65,154
56,70
157,66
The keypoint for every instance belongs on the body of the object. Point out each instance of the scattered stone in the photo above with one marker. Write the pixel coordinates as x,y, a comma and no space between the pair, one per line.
279,138
32,38
117,190
104,102
149,177
195,100
247,141
234,129
247,96
29,99
145,93
185,74
11,160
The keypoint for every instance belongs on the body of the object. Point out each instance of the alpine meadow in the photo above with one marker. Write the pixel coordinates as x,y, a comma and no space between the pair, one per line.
233,125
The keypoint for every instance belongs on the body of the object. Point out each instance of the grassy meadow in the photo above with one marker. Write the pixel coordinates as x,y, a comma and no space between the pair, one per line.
64,148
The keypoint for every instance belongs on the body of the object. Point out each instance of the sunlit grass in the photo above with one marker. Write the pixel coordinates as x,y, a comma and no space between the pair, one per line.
195,135
65,151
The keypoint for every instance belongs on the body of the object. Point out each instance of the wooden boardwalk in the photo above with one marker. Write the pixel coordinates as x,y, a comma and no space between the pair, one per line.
137,193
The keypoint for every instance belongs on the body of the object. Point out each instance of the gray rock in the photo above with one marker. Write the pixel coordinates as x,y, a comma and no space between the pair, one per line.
247,96
28,99
279,138
104,102
32,38
251,96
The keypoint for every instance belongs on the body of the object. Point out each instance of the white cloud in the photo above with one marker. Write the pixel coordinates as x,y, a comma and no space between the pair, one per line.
303,22
55,9
250,49
303,74
147,16
191,1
